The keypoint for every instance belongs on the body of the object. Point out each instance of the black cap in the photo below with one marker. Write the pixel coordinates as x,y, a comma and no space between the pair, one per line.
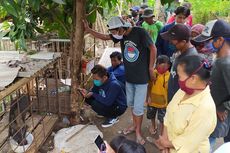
177,32
144,6
214,28
147,13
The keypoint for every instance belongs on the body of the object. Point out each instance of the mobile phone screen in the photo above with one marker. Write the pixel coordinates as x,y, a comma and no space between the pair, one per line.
100,143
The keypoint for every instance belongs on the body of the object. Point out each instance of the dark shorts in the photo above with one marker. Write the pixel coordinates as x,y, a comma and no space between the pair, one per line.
152,111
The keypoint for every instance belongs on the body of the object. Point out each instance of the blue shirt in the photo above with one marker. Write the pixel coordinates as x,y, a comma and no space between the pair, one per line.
118,71
164,47
110,93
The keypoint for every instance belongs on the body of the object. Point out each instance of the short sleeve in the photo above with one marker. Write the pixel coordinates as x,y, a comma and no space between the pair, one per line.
146,39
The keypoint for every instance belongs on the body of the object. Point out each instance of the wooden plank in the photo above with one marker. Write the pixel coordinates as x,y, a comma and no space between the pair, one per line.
14,87
41,133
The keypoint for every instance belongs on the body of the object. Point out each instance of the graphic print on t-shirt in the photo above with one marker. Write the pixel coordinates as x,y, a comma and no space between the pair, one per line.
131,53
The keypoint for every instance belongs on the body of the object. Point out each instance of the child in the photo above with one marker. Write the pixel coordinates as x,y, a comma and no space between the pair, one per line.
157,91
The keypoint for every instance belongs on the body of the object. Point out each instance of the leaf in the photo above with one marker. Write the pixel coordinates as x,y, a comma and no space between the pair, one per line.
2,34
163,2
10,8
92,16
59,1
35,4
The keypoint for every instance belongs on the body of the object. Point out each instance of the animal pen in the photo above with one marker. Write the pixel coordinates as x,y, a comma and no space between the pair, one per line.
32,105
33,102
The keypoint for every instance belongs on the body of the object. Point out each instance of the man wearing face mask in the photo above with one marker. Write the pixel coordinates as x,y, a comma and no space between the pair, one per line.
217,33
139,55
135,13
164,47
179,35
107,98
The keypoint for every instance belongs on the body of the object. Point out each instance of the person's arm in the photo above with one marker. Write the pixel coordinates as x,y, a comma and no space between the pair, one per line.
110,95
95,33
197,130
160,42
152,60
147,41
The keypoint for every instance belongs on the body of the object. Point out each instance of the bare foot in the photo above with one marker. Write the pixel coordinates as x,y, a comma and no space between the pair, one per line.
152,130
129,130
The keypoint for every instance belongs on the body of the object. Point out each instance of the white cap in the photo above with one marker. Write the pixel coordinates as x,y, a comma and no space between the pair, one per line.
117,22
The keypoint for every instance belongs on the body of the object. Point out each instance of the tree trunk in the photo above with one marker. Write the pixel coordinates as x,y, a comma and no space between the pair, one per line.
77,47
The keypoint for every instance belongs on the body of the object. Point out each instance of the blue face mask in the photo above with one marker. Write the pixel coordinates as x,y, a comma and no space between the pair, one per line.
97,83
209,47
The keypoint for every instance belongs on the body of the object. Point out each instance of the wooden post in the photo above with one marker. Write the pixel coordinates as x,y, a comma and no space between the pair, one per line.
76,54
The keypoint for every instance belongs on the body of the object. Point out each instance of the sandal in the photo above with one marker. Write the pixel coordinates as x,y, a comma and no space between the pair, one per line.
140,140
153,131
129,130
150,139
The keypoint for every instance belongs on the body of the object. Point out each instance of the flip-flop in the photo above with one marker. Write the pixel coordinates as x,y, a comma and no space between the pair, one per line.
153,131
129,130
150,139
140,140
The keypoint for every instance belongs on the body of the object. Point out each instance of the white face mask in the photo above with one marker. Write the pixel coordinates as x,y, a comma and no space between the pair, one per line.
119,37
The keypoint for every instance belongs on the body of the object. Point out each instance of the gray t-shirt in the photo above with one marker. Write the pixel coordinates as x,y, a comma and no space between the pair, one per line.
136,54
173,85
220,83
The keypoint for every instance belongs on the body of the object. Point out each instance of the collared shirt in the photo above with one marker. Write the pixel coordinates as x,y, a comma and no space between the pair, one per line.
190,122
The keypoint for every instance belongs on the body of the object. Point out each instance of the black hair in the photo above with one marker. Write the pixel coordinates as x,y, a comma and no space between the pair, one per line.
99,70
163,59
129,146
116,142
182,10
196,64
117,55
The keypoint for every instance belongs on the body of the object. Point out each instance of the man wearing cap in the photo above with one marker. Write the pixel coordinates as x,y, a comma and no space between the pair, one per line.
163,46
135,13
141,12
139,53
217,34
150,25
179,35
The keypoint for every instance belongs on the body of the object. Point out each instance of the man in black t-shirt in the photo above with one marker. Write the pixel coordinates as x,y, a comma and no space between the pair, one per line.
139,53
216,34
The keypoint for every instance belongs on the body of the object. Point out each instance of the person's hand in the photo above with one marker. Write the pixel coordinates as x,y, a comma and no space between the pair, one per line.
158,144
86,25
152,76
222,115
89,94
108,148
84,92
165,150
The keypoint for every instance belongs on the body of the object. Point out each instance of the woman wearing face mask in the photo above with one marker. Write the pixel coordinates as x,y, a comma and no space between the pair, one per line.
107,98
190,116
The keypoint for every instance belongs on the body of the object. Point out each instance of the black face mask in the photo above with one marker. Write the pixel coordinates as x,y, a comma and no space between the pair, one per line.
134,14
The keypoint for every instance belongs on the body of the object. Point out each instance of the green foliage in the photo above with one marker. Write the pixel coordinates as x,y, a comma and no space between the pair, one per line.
205,10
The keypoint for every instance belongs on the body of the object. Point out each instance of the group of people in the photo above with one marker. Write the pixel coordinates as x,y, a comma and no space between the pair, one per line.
180,72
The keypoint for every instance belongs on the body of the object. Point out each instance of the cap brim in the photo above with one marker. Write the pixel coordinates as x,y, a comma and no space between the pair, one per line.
148,16
201,38
166,36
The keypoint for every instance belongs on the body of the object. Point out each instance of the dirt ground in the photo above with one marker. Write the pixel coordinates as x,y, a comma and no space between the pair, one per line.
109,133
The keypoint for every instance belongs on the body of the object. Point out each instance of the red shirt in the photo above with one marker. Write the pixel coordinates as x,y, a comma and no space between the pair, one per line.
173,17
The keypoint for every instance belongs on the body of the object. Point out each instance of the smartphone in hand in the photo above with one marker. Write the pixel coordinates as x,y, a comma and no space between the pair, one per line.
83,91
100,144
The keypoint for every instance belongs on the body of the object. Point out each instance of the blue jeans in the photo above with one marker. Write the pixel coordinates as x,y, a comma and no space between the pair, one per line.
212,141
136,96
